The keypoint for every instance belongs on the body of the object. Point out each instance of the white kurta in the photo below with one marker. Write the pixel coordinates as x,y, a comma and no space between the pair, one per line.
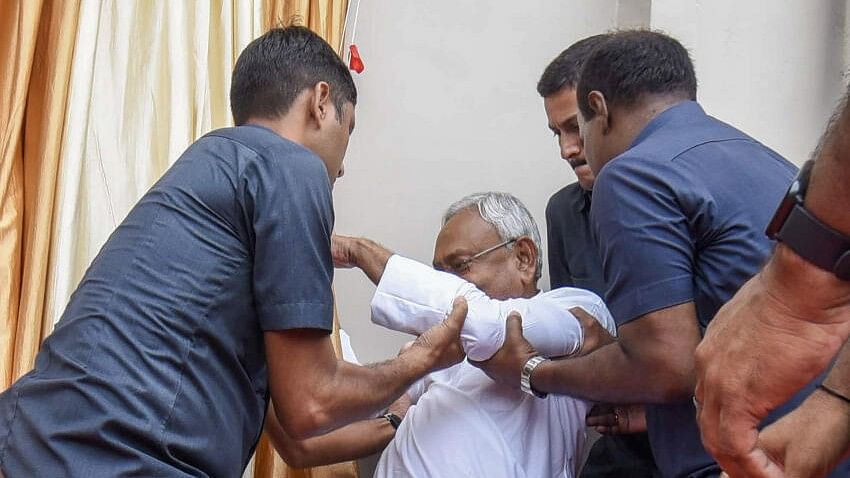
463,424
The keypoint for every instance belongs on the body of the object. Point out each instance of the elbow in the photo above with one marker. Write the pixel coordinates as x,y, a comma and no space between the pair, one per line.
306,420
669,378
295,454
676,384
675,391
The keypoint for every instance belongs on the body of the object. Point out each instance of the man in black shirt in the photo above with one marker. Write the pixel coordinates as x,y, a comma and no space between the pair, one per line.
575,262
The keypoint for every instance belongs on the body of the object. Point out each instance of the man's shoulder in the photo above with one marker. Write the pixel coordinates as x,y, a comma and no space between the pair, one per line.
693,135
565,198
259,145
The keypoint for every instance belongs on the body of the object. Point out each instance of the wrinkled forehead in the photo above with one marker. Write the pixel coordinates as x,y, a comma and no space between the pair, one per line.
465,234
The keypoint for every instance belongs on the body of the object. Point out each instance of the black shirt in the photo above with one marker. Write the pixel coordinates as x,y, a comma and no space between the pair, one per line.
573,259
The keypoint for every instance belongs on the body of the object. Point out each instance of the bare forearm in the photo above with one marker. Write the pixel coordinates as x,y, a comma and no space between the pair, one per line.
315,393
371,258
358,440
652,362
371,388
611,375
807,292
839,377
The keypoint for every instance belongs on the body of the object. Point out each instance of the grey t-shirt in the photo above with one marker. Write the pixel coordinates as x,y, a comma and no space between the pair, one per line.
157,367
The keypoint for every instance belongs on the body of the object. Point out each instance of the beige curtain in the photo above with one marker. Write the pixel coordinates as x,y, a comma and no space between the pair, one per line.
325,17
36,47
149,77
97,99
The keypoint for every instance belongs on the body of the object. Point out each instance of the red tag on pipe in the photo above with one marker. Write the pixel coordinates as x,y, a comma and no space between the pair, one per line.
355,62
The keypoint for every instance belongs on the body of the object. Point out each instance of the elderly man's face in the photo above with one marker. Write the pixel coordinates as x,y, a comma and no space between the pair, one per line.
496,273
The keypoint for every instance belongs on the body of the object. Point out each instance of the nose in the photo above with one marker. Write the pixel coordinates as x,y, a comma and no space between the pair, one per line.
341,171
570,145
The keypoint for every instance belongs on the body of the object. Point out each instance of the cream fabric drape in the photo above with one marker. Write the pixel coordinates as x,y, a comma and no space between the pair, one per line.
36,46
325,17
149,77
97,99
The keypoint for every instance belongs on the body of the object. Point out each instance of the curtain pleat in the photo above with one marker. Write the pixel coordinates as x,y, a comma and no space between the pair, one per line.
325,17
97,99
149,78
36,48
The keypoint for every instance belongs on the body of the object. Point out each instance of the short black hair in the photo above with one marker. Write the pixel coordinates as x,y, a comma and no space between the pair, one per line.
634,63
275,68
564,70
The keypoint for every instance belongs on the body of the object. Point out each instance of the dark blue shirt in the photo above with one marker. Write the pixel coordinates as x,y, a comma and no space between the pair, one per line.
157,367
574,262
680,217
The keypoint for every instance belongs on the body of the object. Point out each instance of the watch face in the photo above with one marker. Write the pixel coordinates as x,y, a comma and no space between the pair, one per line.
794,190
784,209
795,195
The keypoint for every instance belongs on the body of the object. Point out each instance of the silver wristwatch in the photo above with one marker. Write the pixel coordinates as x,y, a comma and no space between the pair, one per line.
525,376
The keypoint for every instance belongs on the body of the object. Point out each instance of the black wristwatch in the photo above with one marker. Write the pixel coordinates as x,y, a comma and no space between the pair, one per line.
394,419
807,236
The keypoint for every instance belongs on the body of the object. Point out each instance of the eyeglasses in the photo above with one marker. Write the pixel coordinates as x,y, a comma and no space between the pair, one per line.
462,267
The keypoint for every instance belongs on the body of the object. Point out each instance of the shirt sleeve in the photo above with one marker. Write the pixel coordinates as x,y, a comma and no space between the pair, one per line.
643,236
412,297
289,213
559,270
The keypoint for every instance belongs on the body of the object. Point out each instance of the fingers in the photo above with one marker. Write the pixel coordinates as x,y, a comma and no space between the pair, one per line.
457,316
736,447
756,464
582,316
340,251
513,327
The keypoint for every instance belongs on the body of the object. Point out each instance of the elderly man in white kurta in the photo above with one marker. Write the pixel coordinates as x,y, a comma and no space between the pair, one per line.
462,423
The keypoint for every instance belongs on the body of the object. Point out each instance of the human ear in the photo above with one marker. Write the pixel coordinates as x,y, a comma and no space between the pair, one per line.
525,252
599,106
320,103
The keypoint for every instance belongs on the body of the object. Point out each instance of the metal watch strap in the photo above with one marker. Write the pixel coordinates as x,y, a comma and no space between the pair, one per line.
525,376
816,242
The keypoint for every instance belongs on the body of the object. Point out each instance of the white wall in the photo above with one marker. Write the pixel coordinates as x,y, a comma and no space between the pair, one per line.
447,107
773,68
448,104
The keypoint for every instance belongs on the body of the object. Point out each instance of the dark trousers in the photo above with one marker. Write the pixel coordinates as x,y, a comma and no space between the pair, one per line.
616,456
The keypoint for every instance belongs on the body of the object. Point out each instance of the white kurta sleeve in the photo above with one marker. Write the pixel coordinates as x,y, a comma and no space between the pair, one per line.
412,297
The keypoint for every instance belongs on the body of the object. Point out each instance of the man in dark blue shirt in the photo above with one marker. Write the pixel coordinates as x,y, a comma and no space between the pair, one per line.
574,260
680,204
213,296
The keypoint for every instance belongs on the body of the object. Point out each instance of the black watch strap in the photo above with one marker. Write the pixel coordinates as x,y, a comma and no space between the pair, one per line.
816,242
394,419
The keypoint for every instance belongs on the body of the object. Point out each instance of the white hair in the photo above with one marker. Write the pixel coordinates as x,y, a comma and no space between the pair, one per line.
507,214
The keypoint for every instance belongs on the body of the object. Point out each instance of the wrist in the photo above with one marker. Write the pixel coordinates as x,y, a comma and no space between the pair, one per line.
371,258
539,377
359,251
418,361
831,402
393,419
804,288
